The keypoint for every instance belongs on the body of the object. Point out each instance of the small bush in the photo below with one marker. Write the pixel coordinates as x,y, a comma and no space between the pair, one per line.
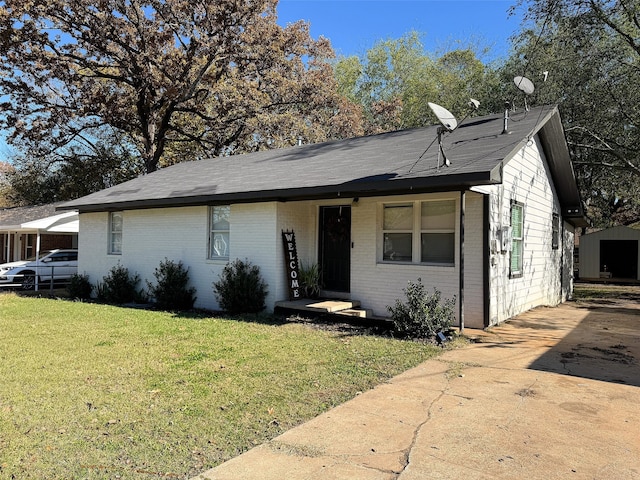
79,287
423,315
310,280
119,286
240,288
171,291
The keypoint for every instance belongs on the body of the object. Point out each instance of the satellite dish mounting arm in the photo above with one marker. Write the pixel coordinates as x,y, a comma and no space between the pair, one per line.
441,154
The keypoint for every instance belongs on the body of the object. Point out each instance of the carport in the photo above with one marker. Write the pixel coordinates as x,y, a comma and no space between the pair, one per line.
25,231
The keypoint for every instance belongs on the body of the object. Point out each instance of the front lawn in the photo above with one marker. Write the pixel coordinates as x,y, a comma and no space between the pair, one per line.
97,391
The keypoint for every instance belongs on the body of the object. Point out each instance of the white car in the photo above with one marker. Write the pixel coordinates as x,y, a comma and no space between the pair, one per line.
59,264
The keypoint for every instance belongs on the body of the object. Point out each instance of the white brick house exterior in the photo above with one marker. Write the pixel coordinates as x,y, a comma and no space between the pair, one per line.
482,264
547,271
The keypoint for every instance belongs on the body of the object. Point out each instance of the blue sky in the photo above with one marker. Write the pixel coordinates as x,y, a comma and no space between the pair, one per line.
354,26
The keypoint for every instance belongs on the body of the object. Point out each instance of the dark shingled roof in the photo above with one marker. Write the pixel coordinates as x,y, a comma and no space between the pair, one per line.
385,164
14,216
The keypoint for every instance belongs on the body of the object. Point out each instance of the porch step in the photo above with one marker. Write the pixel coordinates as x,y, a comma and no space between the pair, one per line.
319,306
356,312
346,311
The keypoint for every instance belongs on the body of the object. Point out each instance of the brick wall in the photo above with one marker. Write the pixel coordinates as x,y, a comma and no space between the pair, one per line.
151,235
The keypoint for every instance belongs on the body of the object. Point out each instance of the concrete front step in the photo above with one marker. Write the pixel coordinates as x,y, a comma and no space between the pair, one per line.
319,306
346,311
356,312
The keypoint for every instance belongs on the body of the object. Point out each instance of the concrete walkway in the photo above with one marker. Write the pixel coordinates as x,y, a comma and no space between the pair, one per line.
552,394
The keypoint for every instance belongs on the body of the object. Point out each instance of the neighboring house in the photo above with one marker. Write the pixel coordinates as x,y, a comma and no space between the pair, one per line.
610,254
494,229
25,231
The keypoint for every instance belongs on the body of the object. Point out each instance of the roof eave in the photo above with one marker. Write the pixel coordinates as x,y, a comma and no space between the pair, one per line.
577,221
554,145
345,190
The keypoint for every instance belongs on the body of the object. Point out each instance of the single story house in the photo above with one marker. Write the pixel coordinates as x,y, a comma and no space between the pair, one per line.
494,227
25,231
610,254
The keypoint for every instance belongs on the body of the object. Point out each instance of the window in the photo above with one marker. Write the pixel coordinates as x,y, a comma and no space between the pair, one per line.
438,225
555,231
397,231
517,236
115,233
219,234
63,257
419,232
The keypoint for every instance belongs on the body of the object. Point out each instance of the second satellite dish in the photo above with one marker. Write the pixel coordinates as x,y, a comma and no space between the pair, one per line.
445,117
524,84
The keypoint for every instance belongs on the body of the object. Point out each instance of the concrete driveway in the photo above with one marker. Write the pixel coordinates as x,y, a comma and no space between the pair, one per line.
552,394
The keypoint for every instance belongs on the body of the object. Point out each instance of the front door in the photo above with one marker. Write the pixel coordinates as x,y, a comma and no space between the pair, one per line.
335,248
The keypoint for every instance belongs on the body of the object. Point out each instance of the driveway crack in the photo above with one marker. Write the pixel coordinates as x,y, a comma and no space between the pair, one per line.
406,460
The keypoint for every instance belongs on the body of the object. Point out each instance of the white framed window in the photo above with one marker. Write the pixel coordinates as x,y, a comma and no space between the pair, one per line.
419,232
219,232
397,232
437,234
517,239
115,233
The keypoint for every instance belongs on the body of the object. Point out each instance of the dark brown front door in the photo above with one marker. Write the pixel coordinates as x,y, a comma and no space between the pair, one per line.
335,248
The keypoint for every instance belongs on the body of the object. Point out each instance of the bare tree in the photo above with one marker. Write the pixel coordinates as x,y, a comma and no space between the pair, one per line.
179,78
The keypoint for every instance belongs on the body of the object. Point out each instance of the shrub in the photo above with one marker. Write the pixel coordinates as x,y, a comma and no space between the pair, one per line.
310,280
171,291
423,315
118,286
240,288
79,287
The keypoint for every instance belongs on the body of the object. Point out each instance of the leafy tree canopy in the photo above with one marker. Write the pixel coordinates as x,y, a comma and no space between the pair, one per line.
591,51
176,78
5,187
395,79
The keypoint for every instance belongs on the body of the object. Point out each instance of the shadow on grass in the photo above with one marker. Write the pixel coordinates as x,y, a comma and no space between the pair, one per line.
606,293
350,326
345,326
258,318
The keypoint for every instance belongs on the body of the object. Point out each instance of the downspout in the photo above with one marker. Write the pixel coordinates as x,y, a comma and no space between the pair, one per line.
463,197
486,256
565,294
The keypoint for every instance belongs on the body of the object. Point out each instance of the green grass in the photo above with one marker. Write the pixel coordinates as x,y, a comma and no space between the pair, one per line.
587,292
96,391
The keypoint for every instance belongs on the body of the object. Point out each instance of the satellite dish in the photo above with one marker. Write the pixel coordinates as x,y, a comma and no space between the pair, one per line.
449,124
445,117
524,84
